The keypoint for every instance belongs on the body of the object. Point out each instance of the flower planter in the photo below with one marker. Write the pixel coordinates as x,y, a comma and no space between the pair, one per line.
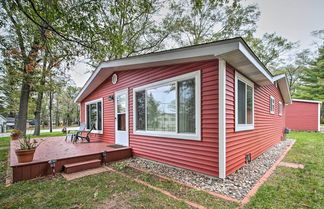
14,137
25,156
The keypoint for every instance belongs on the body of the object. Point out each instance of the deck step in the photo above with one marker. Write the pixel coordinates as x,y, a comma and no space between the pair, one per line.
80,166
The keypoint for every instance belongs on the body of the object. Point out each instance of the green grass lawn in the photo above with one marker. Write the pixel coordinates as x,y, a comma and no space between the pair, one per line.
183,192
286,188
296,188
88,192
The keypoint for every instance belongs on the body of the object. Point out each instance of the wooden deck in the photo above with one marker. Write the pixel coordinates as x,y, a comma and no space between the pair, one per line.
55,148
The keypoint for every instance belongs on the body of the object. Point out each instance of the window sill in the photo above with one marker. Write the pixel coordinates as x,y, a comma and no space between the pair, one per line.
193,137
244,128
272,113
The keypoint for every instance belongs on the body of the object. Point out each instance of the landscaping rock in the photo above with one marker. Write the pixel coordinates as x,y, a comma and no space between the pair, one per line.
236,185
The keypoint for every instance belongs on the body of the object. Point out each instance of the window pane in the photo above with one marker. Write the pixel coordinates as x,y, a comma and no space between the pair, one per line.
99,116
140,110
93,115
271,104
88,116
121,122
121,103
186,106
161,108
249,103
241,102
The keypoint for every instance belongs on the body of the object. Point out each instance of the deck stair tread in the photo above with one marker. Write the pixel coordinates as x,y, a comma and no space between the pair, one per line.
80,166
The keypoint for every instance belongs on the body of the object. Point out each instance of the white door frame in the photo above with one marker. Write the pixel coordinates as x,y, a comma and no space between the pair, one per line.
126,132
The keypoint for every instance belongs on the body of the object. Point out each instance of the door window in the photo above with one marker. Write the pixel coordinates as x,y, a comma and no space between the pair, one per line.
121,112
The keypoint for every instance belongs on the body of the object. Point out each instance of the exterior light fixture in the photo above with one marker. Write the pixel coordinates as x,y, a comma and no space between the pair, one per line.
111,98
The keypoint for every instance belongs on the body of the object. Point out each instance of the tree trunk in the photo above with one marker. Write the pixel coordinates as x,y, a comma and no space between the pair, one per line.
23,107
50,111
57,116
38,113
40,97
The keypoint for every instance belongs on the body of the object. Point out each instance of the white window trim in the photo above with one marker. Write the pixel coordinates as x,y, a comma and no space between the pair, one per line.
280,108
243,127
272,105
197,135
85,115
319,116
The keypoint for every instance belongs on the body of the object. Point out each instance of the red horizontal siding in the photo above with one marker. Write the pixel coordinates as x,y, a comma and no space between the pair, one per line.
302,116
201,156
268,128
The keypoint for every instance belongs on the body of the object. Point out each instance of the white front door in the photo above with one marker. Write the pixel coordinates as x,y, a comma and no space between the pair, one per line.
121,117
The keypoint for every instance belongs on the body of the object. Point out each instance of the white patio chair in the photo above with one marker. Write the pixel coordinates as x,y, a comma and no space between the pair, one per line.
73,133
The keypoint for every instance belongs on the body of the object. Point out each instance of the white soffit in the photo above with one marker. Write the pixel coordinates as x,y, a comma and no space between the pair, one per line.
234,51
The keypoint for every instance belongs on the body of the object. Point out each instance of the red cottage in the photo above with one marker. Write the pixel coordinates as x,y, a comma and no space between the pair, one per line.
303,115
204,107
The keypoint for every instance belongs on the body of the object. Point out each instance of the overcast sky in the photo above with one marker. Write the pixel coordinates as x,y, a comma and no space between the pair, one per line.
292,19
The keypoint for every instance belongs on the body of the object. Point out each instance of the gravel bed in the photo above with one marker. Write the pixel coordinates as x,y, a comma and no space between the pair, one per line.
236,185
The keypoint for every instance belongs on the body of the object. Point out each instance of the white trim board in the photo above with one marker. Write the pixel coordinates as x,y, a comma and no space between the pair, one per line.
222,118
319,116
305,100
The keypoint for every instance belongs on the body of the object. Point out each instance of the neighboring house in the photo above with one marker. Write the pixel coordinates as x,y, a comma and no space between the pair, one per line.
226,105
303,115
11,123
3,124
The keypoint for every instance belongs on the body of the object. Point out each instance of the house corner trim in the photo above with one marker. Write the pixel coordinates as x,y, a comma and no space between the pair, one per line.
222,118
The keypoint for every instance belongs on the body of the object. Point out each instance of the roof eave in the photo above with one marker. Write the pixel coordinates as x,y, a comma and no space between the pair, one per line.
234,51
284,88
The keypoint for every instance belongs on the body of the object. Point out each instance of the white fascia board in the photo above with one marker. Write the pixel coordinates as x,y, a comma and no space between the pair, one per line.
254,61
305,100
277,77
94,74
199,51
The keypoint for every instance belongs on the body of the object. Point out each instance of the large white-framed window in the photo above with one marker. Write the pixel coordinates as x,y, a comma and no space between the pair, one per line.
169,108
94,115
272,105
280,108
244,103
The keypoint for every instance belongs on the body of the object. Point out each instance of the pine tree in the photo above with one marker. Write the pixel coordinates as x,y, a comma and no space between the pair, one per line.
312,80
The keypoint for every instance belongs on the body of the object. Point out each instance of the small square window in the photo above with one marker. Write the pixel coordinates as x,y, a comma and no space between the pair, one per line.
272,105
280,108
244,103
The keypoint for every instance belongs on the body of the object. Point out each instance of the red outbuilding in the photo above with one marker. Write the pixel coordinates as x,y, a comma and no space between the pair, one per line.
303,115
205,107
